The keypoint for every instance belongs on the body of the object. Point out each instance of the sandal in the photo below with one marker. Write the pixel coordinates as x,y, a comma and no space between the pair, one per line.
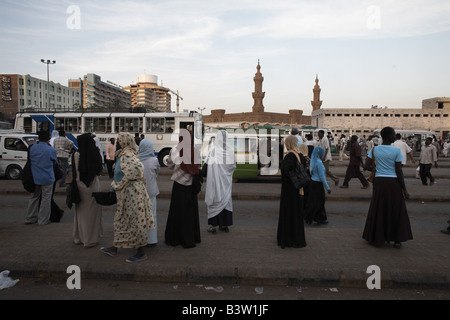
397,245
224,229
108,252
212,230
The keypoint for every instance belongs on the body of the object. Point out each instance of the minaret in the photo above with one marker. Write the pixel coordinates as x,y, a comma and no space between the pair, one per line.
316,104
258,95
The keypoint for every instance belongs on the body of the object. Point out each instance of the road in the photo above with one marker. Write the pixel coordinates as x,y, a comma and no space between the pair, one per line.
345,215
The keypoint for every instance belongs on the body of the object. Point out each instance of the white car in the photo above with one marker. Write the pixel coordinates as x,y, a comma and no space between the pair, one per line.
14,152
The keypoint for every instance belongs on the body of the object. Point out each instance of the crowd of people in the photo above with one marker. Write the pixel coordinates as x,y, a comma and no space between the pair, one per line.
133,167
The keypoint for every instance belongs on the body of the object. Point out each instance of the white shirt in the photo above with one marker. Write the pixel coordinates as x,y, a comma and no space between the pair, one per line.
404,148
325,144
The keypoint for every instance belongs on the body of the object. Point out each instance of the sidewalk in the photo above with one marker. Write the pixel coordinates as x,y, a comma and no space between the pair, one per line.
335,257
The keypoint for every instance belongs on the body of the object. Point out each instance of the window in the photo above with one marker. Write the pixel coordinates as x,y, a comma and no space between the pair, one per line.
155,125
102,125
440,105
15,144
129,124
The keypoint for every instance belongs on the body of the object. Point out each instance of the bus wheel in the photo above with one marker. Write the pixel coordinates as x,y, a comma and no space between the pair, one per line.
163,156
13,172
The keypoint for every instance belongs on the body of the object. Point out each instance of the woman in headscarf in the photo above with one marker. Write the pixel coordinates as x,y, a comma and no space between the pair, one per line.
183,224
134,216
220,167
88,214
315,206
291,231
151,171
55,134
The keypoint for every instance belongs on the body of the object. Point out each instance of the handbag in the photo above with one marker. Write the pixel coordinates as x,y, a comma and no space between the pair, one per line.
372,167
299,176
105,198
72,192
27,176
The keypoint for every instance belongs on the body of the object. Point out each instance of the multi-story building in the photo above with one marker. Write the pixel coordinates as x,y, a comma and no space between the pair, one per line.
434,116
98,95
148,94
24,92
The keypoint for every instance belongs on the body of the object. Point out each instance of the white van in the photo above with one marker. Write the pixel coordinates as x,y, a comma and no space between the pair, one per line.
13,152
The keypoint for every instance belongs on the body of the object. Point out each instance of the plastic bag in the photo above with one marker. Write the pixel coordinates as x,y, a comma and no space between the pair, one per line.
5,281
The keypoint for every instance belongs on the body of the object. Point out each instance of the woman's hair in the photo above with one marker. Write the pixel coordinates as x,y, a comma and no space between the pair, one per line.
291,143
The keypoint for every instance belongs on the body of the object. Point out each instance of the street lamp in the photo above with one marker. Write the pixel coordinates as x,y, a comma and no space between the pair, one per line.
48,62
201,110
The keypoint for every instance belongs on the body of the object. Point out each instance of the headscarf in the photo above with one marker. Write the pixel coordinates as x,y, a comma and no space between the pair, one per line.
316,158
191,167
146,150
303,149
291,143
90,162
127,144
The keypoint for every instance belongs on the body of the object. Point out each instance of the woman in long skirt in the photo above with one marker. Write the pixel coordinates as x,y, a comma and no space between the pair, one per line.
220,167
151,171
183,223
387,219
291,231
88,214
315,206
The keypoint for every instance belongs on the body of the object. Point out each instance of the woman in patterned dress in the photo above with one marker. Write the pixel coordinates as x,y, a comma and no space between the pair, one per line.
133,217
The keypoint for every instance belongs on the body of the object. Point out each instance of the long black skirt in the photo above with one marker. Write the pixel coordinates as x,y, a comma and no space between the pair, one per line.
291,231
183,223
223,219
315,203
387,219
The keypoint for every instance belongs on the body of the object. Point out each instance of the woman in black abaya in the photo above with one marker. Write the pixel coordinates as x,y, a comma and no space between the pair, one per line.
291,231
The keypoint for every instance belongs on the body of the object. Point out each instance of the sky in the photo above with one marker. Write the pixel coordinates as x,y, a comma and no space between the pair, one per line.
392,53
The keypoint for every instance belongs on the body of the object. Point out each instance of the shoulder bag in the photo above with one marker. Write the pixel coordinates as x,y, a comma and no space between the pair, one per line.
371,167
299,176
27,175
72,192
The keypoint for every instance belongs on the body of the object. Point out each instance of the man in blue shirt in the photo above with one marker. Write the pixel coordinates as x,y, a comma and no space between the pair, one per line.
43,159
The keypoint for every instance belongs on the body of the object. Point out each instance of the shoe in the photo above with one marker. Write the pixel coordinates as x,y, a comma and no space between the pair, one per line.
136,259
432,182
397,245
224,229
108,252
343,187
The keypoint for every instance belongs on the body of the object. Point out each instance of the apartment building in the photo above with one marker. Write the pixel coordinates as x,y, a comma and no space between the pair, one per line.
148,94
24,92
99,94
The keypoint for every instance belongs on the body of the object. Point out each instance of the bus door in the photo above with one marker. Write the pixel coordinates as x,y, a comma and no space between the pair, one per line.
44,122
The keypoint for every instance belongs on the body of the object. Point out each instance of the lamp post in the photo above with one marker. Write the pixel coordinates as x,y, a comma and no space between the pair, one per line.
48,62
201,110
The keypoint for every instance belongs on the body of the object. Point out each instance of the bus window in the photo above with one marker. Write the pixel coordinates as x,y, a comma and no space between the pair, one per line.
129,124
170,125
156,125
102,125
72,124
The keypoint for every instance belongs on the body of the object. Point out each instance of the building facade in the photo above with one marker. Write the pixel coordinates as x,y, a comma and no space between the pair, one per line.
24,92
98,95
147,94
434,116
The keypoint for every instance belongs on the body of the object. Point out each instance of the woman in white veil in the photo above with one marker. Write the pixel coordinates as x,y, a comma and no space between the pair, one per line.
220,167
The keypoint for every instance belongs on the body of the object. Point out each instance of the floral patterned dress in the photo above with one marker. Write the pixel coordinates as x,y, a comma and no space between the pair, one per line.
134,210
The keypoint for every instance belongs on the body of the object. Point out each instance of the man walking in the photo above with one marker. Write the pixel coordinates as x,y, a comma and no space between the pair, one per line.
354,164
428,155
63,148
325,144
43,159
407,152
